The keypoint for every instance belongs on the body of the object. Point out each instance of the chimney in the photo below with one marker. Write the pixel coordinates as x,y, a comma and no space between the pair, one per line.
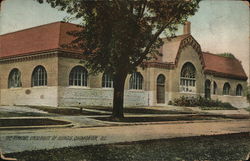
187,28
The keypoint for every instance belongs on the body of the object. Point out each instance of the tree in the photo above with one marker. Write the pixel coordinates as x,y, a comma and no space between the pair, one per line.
119,35
227,55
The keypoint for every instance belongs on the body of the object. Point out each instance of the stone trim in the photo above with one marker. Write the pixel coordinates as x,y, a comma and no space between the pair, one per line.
41,55
190,41
224,75
159,65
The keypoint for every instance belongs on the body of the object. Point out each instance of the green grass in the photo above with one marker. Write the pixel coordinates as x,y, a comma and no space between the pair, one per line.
219,148
65,111
248,109
30,122
139,110
21,114
217,108
173,118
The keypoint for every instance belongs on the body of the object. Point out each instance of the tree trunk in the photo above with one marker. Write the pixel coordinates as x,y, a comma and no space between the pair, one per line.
118,99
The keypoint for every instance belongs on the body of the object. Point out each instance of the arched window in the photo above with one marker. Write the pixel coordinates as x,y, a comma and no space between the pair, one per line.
239,90
39,76
78,76
215,88
160,89
107,81
187,79
226,89
208,89
14,79
135,81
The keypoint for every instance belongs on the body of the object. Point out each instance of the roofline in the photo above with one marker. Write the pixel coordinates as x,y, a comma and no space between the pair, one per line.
39,52
36,27
220,56
225,75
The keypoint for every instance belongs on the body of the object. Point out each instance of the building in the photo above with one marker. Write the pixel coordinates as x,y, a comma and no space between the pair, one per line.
36,70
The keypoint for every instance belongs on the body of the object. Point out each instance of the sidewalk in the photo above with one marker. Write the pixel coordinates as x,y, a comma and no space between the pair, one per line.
21,140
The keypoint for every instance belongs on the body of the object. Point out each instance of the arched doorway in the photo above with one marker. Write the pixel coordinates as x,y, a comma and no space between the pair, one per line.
208,89
161,89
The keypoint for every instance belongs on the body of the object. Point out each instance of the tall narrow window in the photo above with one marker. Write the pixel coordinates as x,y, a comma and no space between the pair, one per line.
239,90
215,88
135,81
160,89
14,79
226,89
107,81
207,89
39,76
187,78
78,76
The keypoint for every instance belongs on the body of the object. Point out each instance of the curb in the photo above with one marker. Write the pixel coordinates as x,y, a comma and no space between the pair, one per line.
70,124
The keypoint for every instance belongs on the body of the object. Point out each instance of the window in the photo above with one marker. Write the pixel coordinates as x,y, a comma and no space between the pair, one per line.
208,89
239,90
226,89
107,81
39,76
215,88
160,93
78,76
187,79
14,79
135,81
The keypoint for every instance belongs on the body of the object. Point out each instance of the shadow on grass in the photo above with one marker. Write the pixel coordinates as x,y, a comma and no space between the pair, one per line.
65,111
138,110
31,122
172,118
221,147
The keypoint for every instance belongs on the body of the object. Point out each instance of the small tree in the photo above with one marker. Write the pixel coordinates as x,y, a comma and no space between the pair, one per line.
118,35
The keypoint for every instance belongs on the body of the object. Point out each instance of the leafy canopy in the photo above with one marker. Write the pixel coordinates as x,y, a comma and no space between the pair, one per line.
119,35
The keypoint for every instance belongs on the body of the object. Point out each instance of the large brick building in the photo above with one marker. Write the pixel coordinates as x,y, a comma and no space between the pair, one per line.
36,70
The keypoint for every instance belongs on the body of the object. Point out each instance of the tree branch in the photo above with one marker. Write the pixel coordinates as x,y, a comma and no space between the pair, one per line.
156,35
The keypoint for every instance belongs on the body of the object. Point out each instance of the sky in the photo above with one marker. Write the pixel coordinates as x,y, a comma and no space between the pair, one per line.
219,25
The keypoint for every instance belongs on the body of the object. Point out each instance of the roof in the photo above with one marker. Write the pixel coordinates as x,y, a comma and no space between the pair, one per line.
36,39
223,66
52,36
171,47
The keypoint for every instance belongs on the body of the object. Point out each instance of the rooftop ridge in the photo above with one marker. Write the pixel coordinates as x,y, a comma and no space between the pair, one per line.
220,56
36,27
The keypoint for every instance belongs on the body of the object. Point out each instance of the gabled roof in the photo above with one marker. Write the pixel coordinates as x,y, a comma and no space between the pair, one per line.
171,48
41,38
223,66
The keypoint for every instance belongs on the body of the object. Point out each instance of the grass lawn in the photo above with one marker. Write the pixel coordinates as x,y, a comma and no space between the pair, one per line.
173,118
21,114
30,122
139,110
217,108
65,111
219,148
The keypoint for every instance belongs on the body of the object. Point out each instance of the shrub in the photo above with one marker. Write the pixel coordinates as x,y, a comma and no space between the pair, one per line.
201,102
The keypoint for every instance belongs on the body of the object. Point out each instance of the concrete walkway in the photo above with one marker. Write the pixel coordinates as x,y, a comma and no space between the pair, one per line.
21,140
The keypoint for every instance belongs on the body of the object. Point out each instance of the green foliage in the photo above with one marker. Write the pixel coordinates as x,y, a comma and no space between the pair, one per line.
119,35
248,94
227,55
201,102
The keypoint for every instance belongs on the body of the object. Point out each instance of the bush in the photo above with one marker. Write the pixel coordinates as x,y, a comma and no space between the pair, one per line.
201,102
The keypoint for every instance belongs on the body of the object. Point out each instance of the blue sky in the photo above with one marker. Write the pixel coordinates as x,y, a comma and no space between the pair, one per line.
219,26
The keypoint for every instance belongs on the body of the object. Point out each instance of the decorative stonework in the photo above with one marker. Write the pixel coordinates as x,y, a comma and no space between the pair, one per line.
223,75
192,42
41,55
159,65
